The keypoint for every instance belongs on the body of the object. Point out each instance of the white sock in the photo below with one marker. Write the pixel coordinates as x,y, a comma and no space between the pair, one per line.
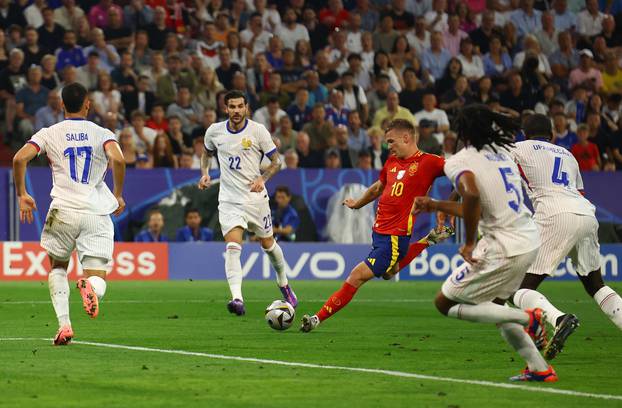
59,292
515,335
275,254
99,286
610,303
488,312
233,269
531,299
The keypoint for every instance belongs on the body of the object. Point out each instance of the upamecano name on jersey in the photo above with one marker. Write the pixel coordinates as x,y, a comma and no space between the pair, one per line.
552,149
496,157
77,137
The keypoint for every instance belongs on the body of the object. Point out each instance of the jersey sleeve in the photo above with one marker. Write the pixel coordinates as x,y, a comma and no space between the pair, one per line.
266,144
383,174
208,140
455,166
439,166
108,137
38,140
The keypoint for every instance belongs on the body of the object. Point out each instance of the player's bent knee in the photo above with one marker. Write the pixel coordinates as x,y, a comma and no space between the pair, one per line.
268,243
59,263
96,266
532,281
593,282
442,303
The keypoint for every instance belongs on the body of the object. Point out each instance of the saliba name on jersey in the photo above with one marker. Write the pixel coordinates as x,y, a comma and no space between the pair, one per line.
76,137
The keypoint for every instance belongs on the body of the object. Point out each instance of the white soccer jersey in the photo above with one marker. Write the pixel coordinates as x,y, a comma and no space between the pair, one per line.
75,148
504,215
552,178
239,154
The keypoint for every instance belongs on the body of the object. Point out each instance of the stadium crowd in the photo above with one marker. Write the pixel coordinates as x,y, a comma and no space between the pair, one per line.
324,77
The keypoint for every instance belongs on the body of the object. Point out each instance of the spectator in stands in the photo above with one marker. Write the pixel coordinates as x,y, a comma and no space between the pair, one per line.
143,162
319,129
141,98
532,46
436,19
290,31
515,97
453,36
426,141
208,87
586,152
363,161
51,34
353,37
327,76
128,147
612,37
157,119
118,34
599,49
612,107
227,68
141,52
4,51
484,92
108,56
368,53
332,159
590,20
369,15
29,100
438,117
187,110
155,225
158,30
270,114
547,36
274,53
585,74
50,114
472,64
68,15
99,13
546,98
299,111
483,35
162,153
347,156
286,134
208,118
207,47
106,99
336,112
377,151
377,99
419,38
33,53
497,61
307,158
564,60
239,54
318,93
88,74
274,90
392,111
449,145
179,140
562,135
177,77
526,19
304,55
564,19
448,81
69,75
576,108
12,79
334,15
143,136
291,159
193,231
137,14
285,219
83,32
455,99
357,135
69,53
254,36
124,76
156,69
49,77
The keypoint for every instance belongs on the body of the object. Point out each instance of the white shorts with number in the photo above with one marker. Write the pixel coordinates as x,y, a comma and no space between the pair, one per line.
493,275
255,217
64,231
564,235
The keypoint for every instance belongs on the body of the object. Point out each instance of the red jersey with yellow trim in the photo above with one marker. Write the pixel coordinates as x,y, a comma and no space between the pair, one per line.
404,180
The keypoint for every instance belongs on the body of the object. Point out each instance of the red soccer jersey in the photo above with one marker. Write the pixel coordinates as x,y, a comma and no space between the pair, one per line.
404,180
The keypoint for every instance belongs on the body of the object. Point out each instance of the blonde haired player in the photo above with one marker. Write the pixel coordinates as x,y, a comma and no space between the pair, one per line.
568,227
240,144
79,217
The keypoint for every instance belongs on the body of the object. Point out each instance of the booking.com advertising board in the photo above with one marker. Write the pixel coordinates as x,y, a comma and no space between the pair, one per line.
205,261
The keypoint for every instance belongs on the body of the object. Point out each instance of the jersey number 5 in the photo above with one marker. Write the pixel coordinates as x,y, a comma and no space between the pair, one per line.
511,188
74,153
397,189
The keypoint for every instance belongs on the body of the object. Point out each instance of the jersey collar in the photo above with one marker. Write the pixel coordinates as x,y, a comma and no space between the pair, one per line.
235,132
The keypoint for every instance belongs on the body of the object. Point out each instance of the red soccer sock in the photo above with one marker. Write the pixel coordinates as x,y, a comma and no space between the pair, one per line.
414,250
337,301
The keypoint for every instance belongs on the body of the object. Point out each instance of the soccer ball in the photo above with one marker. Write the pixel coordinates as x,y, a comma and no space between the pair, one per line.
280,315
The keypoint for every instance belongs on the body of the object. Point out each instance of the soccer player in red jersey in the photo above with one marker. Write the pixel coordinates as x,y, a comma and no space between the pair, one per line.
407,173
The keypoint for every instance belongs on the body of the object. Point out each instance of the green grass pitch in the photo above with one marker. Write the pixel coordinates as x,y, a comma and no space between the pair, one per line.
390,326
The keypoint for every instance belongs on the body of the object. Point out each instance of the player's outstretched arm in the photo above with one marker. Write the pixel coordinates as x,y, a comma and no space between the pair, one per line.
115,157
26,203
205,180
374,191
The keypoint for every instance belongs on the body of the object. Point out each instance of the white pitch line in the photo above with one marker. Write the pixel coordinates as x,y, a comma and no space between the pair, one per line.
391,373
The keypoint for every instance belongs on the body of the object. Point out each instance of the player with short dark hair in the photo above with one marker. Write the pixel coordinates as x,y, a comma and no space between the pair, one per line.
407,173
488,181
240,144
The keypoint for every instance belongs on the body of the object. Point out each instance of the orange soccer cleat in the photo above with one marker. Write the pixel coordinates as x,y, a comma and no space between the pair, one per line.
89,298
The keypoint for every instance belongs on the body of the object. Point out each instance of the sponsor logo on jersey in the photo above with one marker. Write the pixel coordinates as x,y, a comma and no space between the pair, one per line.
394,169
400,174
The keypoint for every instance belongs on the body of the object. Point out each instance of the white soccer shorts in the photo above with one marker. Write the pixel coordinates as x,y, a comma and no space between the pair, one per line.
493,276
92,235
567,234
255,217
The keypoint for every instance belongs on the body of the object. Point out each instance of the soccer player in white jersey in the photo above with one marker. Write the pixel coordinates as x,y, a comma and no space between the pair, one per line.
240,144
568,226
489,183
79,217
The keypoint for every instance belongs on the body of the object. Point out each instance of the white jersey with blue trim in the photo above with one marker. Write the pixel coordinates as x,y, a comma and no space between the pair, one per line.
239,154
552,179
504,214
75,148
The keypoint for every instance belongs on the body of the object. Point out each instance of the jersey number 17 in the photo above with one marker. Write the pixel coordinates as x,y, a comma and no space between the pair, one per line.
74,153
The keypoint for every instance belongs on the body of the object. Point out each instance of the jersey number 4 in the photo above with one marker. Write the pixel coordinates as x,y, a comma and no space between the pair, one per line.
559,176
74,153
511,188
